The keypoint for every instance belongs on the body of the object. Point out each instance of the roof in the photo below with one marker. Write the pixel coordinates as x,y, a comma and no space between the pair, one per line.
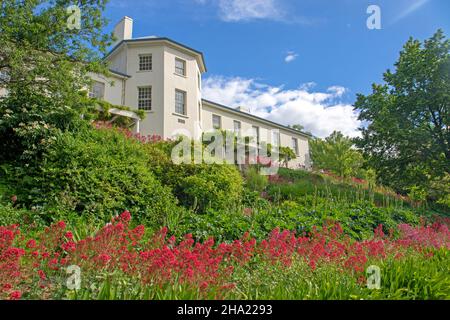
163,39
119,73
248,115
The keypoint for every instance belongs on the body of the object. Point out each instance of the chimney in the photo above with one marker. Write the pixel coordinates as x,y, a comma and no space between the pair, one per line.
123,30
243,109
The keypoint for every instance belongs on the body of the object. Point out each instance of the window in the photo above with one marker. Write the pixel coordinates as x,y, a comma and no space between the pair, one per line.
217,121
237,127
180,67
97,90
255,133
199,80
200,112
295,145
145,62
145,98
180,102
276,138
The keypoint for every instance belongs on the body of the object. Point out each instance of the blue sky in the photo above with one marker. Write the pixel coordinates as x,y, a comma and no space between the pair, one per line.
292,61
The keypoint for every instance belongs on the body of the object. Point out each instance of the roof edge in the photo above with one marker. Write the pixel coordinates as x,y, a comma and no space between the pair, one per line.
117,73
199,53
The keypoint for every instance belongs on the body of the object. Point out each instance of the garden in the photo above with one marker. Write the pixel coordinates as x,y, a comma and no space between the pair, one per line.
227,234
89,210
120,262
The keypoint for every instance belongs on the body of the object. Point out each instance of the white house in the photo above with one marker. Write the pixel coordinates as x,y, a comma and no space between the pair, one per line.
163,77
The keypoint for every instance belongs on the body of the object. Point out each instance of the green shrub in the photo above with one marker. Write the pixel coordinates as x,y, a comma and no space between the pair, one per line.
26,218
295,175
357,219
212,186
97,172
254,180
197,186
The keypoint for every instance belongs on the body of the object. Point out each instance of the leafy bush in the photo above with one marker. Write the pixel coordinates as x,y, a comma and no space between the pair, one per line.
212,186
12,216
96,172
295,175
336,153
440,191
197,186
254,180
357,219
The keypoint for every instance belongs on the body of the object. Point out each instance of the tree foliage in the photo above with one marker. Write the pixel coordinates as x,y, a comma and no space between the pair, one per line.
407,139
286,154
336,153
44,66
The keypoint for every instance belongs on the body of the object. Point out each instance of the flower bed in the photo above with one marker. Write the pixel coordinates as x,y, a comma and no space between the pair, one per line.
120,258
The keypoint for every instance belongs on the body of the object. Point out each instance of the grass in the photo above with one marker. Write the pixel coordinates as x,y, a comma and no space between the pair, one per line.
295,184
410,278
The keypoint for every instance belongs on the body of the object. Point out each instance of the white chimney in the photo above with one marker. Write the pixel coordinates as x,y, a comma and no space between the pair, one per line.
243,109
123,29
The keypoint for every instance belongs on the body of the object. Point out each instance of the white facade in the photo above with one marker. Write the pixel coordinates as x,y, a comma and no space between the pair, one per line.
168,74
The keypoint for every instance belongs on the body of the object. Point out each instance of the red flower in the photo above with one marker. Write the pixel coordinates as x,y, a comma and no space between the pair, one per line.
7,287
69,246
105,258
125,216
69,235
15,295
42,275
206,266
31,244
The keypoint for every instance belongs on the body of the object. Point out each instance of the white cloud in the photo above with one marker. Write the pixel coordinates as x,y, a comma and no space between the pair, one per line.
337,90
251,10
237,10
410,9
319,112
291,56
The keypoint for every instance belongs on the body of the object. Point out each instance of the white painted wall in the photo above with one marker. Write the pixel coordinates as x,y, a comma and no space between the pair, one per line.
118,60
162,119
265,131
153,124
113,88
174,122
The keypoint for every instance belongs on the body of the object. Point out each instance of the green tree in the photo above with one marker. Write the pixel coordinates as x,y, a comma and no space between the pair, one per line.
407,139
336,153
298,127
44,63
286,154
